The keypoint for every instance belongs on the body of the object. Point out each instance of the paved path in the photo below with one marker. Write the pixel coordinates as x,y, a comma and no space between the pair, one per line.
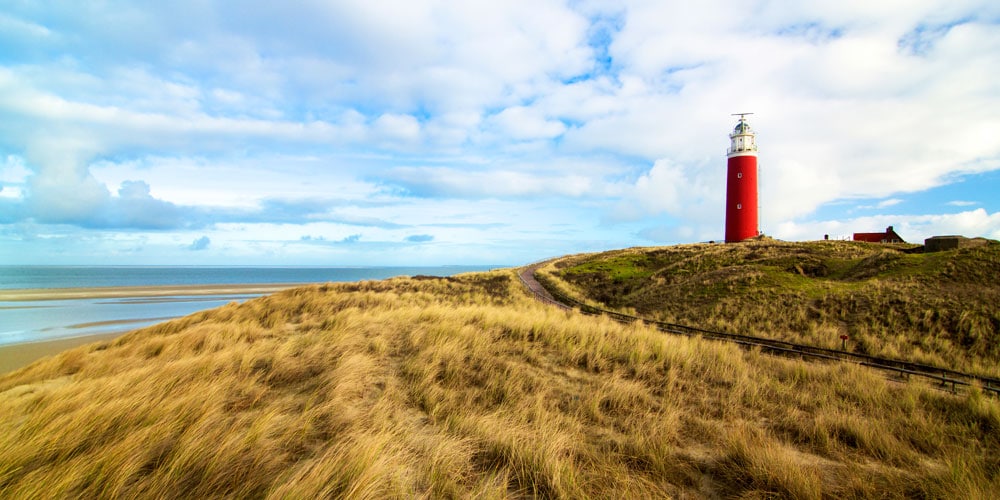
527,275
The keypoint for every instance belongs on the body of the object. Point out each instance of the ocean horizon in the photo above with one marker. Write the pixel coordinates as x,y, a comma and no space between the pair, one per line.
64,276
43,320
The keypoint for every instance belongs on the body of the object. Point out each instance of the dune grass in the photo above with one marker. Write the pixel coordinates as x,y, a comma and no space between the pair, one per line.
466,387
936,308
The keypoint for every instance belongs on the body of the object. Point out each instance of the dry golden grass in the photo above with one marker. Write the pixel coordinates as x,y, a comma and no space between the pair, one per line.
938,308
468,388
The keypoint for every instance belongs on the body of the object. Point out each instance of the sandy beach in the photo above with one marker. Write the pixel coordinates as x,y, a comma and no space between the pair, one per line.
14,356
17,356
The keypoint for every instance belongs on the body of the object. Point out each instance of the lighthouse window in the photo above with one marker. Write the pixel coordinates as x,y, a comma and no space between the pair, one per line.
739,206
739,175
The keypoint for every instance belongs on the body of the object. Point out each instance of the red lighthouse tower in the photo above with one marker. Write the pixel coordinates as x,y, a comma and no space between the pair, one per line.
741,183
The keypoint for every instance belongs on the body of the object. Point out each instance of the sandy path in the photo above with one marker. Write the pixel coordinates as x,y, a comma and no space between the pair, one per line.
527,275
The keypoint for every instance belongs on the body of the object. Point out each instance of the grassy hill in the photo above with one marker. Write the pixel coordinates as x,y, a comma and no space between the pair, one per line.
466,387
934,308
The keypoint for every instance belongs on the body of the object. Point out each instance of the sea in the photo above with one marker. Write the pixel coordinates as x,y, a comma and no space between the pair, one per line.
43,320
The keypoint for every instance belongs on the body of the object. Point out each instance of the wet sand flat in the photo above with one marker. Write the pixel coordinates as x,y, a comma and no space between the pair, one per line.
15,356
34,294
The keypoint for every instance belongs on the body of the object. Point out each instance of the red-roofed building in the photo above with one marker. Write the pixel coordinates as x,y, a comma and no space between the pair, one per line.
889,236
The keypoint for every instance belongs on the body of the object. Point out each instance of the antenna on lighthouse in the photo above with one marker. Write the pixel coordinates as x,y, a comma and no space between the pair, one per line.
741,115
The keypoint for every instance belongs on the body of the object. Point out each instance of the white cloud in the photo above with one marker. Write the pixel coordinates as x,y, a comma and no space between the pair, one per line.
327,109
913,228
11,193
846,116
882,204
663,189
396,128
450,182
17,29
523,123
238,183
13,170
200,243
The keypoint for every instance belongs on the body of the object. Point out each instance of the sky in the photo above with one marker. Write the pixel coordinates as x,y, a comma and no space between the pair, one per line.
423,132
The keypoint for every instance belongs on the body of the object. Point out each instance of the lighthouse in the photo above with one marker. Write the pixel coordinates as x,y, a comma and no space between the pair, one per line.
741,183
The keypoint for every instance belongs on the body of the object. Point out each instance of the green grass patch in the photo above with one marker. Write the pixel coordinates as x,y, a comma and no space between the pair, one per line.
619,268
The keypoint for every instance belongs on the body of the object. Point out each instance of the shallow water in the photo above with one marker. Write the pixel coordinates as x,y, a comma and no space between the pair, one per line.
36,321
41,320
15,277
